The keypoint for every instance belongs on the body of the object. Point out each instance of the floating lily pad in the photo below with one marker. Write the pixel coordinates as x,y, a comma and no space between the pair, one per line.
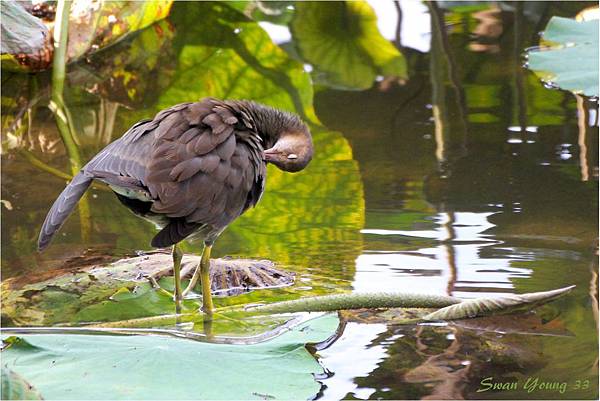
571,61
155,367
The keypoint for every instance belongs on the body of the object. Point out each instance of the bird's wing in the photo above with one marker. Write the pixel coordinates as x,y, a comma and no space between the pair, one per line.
200,163
120,164
203,168
123,163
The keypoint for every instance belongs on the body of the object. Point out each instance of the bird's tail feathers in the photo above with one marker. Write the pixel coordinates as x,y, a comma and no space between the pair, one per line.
62,208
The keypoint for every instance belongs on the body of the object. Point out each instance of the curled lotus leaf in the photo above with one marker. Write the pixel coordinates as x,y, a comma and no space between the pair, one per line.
502,305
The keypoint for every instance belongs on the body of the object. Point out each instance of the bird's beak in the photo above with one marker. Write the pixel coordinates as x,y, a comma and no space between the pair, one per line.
270,155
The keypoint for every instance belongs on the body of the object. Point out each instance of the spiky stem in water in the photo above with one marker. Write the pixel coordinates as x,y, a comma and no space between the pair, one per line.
358,301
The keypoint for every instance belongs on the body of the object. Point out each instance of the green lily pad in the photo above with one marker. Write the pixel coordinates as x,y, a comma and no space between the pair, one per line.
571,62
342,41
155,367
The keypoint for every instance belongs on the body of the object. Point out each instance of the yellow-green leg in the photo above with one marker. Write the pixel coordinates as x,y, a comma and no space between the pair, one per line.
203,272
177,256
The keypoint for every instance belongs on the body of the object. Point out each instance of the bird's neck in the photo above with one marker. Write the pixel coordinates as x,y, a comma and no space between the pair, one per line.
271,123
267,124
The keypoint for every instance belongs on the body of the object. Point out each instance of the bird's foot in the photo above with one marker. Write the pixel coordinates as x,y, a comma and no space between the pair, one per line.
153,282
186,272
153,279
156,276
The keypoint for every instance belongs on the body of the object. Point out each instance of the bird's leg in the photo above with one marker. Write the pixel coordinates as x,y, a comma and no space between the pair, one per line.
203,272
207,304
177,256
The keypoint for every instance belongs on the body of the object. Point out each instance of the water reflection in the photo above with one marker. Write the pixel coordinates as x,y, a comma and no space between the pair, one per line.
353,355
460,265
498,219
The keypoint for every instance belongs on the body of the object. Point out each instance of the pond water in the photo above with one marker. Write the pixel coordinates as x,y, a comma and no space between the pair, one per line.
445,168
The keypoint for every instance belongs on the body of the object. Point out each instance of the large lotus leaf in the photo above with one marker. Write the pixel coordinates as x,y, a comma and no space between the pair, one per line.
230,56
92,27
155,367
66,296
118,18
14,387
572,62
342,41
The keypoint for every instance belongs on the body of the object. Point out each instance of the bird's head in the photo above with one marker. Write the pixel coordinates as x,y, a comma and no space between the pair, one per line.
293,150
286,137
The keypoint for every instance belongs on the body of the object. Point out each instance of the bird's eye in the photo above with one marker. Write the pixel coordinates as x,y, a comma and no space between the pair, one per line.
292,156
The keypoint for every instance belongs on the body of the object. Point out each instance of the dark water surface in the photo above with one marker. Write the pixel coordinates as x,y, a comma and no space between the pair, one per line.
467,178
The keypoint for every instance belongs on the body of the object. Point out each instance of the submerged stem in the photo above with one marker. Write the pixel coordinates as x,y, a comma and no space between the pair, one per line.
57,105
43,166
61,113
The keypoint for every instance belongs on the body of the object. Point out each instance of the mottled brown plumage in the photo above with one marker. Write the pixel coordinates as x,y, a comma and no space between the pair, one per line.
193,168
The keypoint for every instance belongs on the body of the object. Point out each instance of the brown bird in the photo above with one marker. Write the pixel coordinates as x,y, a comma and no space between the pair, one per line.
192,170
